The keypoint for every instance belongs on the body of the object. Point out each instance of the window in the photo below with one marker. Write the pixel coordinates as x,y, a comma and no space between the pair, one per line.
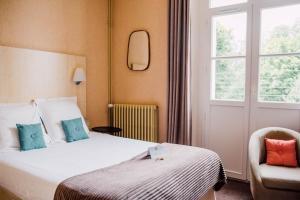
274,41
229,56
219,3
279,62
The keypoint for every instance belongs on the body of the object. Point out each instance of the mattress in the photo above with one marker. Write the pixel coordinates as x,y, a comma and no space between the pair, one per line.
36,174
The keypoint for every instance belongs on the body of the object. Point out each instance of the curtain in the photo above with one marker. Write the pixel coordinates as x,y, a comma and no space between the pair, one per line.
179,113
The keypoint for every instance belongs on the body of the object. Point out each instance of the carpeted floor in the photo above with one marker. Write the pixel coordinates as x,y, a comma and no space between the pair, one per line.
234,190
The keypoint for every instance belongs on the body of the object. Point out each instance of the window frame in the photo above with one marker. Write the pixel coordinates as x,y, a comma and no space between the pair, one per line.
258,6
253,9
223,11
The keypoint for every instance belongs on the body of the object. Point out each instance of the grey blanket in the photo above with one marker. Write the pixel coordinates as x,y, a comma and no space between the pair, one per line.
184,173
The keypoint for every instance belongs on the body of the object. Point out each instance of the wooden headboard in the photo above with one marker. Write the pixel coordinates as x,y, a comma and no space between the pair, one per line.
27,74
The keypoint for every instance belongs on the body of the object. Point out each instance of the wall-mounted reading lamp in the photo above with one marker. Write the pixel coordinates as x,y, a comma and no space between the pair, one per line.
79,76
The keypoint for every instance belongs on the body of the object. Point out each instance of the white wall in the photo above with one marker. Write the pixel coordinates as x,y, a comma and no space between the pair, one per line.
199,77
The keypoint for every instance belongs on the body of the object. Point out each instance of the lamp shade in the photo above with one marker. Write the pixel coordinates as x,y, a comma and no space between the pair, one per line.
79,76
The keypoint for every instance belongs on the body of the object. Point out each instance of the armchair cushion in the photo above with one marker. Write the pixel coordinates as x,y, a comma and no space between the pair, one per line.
281,152
283,178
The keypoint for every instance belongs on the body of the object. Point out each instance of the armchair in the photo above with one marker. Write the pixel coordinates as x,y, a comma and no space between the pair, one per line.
272,182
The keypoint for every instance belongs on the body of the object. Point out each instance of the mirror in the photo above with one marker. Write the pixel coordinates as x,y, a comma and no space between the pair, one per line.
138,56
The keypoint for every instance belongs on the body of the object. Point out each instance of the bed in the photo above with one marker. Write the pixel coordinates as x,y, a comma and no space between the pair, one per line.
39,172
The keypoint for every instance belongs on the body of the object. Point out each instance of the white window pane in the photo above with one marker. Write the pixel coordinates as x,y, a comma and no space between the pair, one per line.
280,30
279,79
219,3
229,79
229,35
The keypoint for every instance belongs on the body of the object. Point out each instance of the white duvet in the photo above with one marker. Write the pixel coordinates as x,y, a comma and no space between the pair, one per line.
35,175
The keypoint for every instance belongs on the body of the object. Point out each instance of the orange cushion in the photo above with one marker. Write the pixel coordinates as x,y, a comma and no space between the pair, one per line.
281,152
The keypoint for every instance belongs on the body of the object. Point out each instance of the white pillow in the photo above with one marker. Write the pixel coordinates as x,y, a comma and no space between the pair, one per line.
53,111
12,114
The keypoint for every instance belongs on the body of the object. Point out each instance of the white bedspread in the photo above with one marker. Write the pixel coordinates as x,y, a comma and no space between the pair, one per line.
35,174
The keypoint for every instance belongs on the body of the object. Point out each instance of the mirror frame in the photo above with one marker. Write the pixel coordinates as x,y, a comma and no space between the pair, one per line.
149,49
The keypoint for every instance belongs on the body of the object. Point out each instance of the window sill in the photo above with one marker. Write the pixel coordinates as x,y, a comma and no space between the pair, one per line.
227,103
274,105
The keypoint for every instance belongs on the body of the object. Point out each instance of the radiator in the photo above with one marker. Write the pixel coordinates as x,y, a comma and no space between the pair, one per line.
136,121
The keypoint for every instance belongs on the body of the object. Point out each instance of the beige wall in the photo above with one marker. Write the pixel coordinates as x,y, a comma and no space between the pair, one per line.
66,26
149,86
80,27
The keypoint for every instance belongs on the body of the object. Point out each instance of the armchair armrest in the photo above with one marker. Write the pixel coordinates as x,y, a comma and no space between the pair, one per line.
255,155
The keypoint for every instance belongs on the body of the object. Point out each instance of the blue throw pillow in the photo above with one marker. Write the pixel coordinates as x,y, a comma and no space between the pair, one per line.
74,130
30,136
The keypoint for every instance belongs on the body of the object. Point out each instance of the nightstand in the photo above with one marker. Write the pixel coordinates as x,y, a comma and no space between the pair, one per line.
107,129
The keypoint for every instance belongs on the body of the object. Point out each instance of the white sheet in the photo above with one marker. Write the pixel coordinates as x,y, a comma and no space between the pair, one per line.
36,174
